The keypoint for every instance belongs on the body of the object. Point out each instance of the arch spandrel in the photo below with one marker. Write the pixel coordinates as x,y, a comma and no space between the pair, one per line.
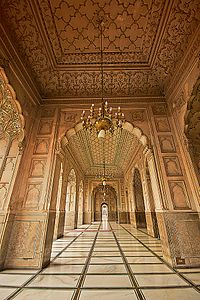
11,118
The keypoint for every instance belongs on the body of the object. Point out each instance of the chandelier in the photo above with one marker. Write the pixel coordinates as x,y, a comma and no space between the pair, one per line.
103,119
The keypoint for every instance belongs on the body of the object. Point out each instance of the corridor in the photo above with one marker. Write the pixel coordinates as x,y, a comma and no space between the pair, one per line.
103,262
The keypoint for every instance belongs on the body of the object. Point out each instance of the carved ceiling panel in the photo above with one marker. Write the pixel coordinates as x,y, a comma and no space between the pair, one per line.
90,152
143,42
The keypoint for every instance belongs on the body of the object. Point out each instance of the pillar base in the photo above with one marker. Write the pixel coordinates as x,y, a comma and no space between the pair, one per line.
152,225
30,240
180,237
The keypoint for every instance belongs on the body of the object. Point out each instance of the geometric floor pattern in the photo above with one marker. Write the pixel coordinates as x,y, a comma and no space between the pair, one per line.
103,261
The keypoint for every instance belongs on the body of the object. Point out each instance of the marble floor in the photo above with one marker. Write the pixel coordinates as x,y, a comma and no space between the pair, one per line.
103,262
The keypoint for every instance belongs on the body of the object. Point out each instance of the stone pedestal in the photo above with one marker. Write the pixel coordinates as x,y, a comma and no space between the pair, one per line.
180,236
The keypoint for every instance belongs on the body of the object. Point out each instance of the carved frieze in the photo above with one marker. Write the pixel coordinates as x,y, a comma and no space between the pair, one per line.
179,195
167,144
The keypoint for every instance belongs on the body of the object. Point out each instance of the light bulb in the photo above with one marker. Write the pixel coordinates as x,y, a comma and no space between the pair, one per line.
101,134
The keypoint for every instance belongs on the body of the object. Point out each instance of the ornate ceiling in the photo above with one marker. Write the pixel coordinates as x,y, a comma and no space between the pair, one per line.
90,152
143,43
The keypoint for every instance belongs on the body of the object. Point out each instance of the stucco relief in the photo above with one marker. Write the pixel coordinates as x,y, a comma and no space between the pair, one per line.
45,127
159,109
37,168
48,112
70,117
167,143
11,119
42,146
179,195
172,166
180,101
138,115
32,196
24,239
162,124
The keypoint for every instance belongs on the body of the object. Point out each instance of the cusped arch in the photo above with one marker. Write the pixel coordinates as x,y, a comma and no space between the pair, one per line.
136,131
192,115
12,121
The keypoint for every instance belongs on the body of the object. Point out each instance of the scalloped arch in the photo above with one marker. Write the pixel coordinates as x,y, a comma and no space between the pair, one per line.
192,115
136,131
13,126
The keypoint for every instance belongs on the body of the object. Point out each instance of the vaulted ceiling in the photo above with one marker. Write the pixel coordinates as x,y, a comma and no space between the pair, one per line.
144,42
117,150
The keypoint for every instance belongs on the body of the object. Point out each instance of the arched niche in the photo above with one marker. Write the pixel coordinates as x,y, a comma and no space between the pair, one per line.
139,200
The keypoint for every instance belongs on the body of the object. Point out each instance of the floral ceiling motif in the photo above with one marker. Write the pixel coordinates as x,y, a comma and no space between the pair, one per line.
143,43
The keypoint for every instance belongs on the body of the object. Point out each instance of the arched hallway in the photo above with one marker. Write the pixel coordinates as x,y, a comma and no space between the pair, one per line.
94,262
99,149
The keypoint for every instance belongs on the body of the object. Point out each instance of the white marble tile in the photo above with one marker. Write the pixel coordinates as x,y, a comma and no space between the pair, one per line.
19,271
57,268
171,294
55,281
160,280
41,294
74,254
13,279
108,260
5,292
149,268
188,270
138,253
108,295
106,253
107,269
107,281
106,248
68,260
194,277
152,259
